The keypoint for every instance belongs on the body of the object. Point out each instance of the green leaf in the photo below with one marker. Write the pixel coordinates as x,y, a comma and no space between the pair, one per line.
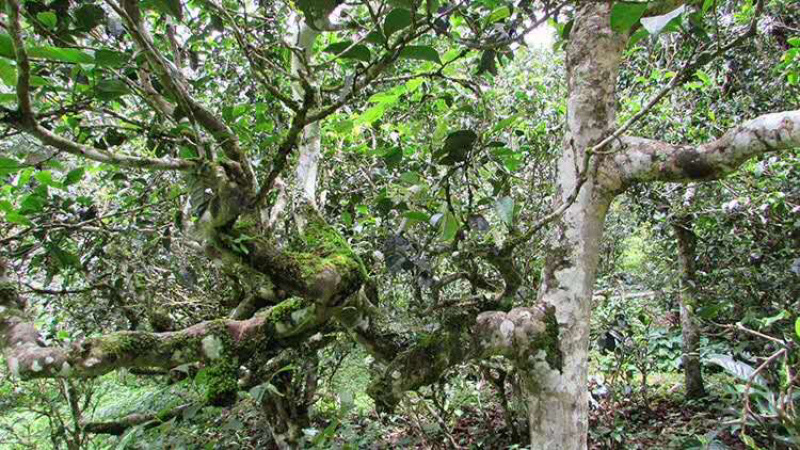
375,37
88,16
396,20
111,89
74,176
48,19
624,15
421,53
417,216
738,369
655,25
359,52
498,15
68,55
171,7
797,327
794,42
457,146
448,226
505,209
110,58
8,98
6,47
707,4
8,166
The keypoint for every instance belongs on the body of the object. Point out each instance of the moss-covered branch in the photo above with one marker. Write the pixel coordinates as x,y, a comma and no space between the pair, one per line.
527,336
213,342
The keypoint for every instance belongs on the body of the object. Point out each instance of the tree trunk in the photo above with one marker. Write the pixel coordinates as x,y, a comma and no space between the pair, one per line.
686,296
557,396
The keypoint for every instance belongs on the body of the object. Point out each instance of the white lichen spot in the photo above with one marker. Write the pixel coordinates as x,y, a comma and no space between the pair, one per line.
2,309
49,360
299,315
396,375
212,347
91,362
13,365
66,369
36,367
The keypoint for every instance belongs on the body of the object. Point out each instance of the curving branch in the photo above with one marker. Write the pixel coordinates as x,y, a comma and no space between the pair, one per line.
528,336
174,81
24,119
643,160
213,342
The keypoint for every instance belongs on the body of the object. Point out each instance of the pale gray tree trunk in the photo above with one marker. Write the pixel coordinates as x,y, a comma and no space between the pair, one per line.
687,297
558,397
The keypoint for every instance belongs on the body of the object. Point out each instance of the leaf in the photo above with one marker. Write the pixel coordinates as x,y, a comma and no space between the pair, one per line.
375,37
448,227
68,55
74,176
6,47
624,15
171,7
8,166
417,216
655,25
48,19
396,20
88,16
457,146
797,327
498,15
738,369
111,89
421,53
359,52
110,58
505,209
707,4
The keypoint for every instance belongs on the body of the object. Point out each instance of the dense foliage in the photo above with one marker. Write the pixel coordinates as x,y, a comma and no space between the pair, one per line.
306,224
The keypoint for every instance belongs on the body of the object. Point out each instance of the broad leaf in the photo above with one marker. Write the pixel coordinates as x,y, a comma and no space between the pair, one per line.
48,19
655,25
421,53
110,58
738,369
89,16
8,166
74,176
68,55
797,327
448,226
396,20
498,15
624,15
359,52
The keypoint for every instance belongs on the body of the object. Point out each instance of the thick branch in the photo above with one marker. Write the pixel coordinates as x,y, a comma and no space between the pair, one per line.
220,340
120,426
529,336
643,160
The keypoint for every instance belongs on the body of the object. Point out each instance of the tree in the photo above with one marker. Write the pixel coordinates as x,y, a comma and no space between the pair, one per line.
308,277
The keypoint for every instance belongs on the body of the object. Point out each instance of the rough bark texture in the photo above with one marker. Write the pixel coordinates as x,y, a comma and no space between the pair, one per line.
689,327
558,399
642,160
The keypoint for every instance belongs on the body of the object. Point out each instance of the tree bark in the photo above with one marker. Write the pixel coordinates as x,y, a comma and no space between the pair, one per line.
557,396
690,330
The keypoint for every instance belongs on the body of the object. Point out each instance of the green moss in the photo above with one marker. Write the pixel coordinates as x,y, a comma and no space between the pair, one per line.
8,293
284,309
127,344
222,381
549,341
